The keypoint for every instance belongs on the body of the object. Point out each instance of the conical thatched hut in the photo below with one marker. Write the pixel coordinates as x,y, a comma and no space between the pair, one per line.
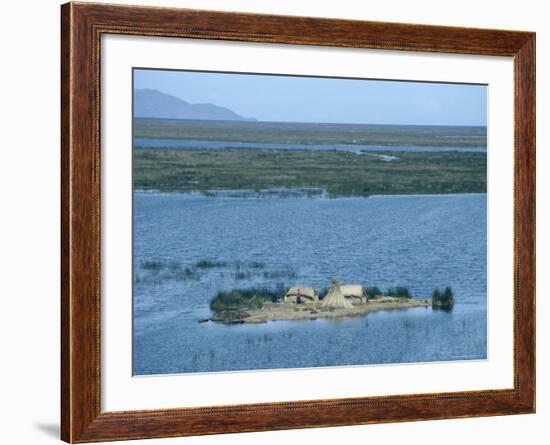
335,299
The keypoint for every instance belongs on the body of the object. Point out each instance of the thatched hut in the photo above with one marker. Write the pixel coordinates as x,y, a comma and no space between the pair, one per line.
303,293
354,292
335,299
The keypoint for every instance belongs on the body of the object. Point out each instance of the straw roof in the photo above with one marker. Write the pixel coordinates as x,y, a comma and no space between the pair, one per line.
335,298
305,291
352,290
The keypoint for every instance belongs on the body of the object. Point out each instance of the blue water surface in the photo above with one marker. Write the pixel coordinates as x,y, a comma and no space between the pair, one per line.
218,145
419,241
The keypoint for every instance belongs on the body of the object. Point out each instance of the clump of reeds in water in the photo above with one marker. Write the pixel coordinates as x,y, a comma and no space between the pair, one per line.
373,292
157,271
443,300
209,264
250,298
152,265
256,265
186,274
249,265
243,275
287,273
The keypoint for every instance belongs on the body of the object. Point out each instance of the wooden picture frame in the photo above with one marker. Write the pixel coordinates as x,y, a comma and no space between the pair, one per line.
82,26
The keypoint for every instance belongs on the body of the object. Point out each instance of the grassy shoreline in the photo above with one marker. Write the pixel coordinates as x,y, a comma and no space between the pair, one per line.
338,173
311,133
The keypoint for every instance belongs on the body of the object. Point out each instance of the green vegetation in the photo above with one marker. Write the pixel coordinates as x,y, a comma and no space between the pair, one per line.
243,275
399,292
443,300
249,265
339,173
208,264
256,265
186,274
372,292
254,298
272,274
152,265
307,133
156,271
213,264
251,298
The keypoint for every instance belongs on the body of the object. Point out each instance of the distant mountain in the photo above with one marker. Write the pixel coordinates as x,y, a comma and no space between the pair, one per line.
153,103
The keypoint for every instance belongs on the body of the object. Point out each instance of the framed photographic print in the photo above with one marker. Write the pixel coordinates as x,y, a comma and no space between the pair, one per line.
274,222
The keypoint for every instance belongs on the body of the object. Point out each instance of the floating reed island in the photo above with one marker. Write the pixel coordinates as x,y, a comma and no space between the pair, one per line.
305,303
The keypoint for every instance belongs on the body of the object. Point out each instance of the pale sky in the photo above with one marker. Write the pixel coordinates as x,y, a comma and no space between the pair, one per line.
315,99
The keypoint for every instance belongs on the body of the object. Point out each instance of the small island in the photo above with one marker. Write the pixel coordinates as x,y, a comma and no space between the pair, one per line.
304,303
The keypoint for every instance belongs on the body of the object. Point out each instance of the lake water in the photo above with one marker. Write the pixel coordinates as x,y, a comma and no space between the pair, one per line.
219,145
421,242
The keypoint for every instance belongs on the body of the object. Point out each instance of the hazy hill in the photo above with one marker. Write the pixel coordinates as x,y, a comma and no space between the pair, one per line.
154,104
